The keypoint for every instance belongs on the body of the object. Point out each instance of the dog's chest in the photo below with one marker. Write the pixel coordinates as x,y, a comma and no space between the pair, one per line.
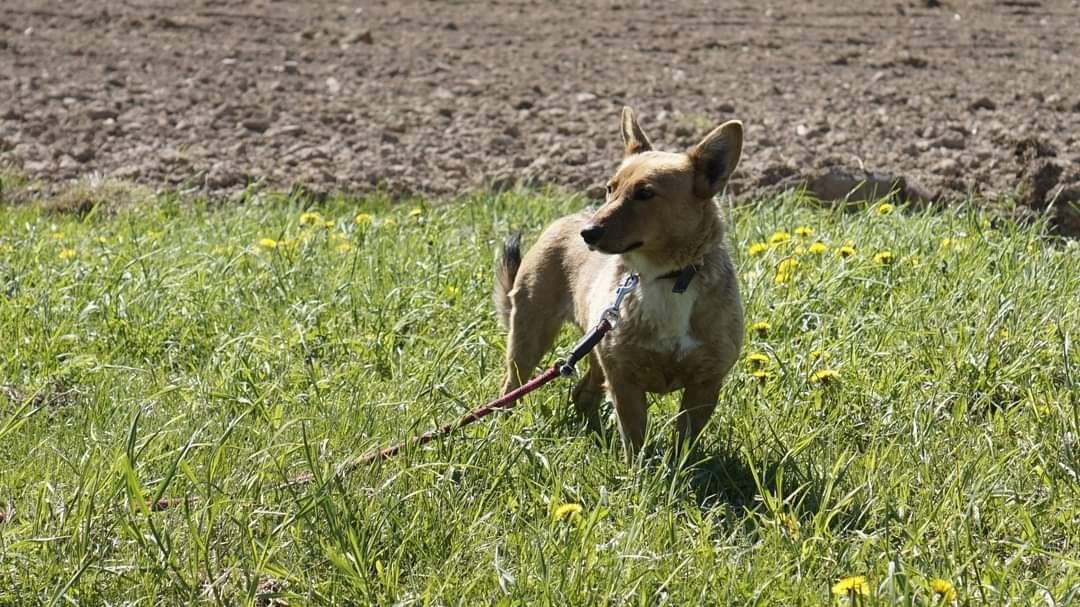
658,320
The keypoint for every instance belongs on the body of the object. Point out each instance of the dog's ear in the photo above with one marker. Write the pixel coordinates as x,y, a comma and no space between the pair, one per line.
634,139
715,157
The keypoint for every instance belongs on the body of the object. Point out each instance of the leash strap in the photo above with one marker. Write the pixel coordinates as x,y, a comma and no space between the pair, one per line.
564,368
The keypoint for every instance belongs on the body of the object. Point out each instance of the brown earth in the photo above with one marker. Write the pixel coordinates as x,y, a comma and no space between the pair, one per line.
436,98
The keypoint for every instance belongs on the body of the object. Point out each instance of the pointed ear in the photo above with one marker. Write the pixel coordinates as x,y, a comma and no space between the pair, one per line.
715,158
634,139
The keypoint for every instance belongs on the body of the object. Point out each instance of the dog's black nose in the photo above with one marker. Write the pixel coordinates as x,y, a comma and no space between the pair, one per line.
592,234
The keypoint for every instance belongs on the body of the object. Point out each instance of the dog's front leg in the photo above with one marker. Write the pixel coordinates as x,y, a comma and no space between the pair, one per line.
698,403
630,406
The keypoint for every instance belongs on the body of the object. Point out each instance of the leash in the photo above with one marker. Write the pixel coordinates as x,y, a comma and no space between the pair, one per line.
562,368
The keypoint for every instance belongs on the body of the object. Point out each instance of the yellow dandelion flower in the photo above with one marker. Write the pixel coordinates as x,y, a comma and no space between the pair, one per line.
758,248
339,236
779,237
818,248
389,223
416,212
803,231
1050,329
788,265
567,511
944,589
884,258
364,219
68,254
344,247
103,240
154,235
791,524
761,327
268,243
329,223
800,250
761,375
1003,333
312,217
451,292
782,278
758,359
816,354
846,251
826,375
851,586
57,236
884,208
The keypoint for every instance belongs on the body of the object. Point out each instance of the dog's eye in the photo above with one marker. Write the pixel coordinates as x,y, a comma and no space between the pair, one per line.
610,189
644,193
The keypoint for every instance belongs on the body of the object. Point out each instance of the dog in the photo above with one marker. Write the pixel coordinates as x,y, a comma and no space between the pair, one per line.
680,328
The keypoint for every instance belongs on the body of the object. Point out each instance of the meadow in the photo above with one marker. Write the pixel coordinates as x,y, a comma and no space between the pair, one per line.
903,426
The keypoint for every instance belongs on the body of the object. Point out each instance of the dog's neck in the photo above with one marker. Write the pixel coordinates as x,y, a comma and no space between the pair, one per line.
682,262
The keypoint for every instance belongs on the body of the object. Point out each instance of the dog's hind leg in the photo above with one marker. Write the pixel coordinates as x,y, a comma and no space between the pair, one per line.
588,393
531,335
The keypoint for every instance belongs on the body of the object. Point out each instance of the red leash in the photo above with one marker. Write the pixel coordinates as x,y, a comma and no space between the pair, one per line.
505,402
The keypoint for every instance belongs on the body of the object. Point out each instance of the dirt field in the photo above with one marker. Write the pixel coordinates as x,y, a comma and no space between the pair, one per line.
439,97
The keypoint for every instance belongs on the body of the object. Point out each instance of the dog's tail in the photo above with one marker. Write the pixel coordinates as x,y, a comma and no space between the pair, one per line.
505,272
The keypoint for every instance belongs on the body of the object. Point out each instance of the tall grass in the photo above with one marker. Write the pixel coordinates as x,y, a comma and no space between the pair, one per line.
902,417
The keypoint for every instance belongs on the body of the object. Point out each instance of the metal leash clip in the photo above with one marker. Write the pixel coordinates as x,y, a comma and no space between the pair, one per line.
607,322
628,285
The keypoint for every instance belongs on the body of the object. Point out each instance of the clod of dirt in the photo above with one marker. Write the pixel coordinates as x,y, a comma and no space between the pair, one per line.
982,103
853,185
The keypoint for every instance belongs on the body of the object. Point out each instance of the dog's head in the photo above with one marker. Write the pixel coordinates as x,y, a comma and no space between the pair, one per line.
659,204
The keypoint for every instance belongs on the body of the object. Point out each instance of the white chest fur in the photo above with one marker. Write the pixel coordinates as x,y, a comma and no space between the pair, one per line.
664,315
653,316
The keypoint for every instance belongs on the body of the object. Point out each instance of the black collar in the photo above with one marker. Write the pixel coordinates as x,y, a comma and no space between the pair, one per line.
682,277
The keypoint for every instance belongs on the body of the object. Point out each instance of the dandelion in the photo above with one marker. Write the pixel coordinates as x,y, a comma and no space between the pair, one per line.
761,375
364,219
884,258
57,235
312,217
826,375
779,237
344,247
758,359
800,250
451,292
818,248
758,248
884,208
1003,333
68,254
788,265
390,222
102,240
803,231
416,212
268,243
851,586
816,354
791,524
154,235
944,589
782,278
761,327
567,511
846,251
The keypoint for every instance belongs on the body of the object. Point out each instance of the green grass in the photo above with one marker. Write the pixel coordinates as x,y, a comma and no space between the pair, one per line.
163,351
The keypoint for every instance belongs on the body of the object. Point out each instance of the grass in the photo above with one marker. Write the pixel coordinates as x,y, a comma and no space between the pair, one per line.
904,417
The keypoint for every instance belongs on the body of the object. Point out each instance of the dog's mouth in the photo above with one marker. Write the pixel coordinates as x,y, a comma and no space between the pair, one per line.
625,250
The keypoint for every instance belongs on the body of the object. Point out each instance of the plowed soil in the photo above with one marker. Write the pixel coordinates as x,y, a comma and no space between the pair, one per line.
438,98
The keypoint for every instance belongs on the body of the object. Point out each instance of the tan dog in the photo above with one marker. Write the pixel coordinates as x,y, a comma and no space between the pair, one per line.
660,221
